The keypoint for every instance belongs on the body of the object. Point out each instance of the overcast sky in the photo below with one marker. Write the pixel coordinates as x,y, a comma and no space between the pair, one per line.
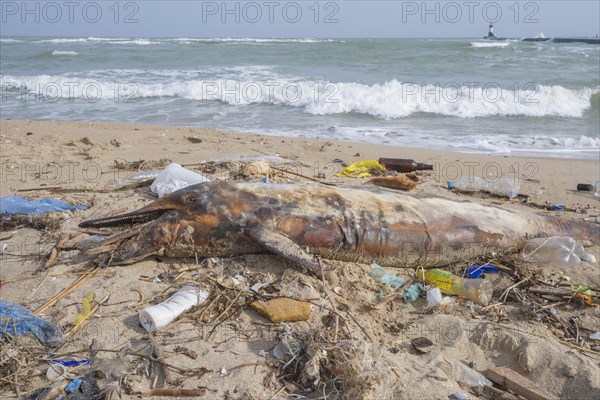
271,18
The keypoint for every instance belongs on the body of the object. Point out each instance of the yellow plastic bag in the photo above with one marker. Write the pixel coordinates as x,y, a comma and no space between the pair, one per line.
361,169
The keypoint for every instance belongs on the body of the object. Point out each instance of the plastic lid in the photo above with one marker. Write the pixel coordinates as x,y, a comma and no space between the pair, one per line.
450,185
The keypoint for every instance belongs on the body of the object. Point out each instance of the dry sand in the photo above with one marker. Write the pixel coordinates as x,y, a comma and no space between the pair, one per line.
37,156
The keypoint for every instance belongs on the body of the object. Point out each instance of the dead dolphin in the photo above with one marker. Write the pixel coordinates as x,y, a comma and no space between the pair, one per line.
300,222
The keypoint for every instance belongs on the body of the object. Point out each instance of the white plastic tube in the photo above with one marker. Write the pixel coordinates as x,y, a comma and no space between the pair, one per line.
156,317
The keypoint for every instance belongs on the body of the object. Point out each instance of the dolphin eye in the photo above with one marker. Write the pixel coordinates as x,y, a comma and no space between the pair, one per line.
192,198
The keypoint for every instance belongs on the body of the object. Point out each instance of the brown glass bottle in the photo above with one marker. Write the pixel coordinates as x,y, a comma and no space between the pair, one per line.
403,165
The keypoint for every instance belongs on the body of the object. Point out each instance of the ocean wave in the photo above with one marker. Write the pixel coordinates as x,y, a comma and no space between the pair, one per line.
62,40
489,44
390,100
8,40
252,40
64,53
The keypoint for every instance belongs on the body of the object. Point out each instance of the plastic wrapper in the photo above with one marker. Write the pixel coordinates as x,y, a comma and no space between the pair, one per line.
18,320
19,205
175,177
467,376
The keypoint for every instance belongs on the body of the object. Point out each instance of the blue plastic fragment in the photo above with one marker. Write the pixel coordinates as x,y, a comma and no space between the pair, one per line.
558,207
414,291
17,320
476,271
70,363
265,179
19,205
74,385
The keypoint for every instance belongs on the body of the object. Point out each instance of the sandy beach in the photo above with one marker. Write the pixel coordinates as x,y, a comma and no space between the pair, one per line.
233,346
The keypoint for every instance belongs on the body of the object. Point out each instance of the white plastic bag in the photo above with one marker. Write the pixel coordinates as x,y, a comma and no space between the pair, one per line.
175,177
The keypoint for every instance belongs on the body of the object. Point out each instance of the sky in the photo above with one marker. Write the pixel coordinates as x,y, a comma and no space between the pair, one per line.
300,18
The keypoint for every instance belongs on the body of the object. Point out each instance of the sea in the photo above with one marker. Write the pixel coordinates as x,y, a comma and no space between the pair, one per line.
467,95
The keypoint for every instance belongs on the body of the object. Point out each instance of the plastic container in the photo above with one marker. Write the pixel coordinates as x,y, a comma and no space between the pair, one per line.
156,317
559,251
597,190
404,165
381,275
56,373
478,290
467,376
504,186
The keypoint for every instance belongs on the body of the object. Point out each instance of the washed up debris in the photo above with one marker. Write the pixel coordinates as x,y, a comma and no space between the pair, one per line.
421,344
414,291
503,186
400,182
282,309
156,317
595,336
585,187
434,297
175,177
458,396
404,165
560,251
56,372
142,178
361,169
478,290
18,320
379,274
518,384
476,271
467,376
19,205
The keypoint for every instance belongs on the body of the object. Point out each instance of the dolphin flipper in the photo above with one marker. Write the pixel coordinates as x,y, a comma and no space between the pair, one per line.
278,243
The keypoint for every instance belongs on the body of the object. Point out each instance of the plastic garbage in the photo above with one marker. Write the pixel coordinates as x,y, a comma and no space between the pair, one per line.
467,376
458,396
597,189
56,372
476,271
434,297
18,320
361,169
19,205
404,165
414,291
74,385
175,177
595,336
504,186
138,179
560,251
479,290
156,317
379,274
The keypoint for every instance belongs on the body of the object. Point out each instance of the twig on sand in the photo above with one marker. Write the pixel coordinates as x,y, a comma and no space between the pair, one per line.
66,291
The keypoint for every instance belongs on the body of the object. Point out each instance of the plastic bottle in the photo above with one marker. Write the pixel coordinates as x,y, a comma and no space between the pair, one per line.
597,194
561,251
156,317
478,290
504,186
381,275
404,165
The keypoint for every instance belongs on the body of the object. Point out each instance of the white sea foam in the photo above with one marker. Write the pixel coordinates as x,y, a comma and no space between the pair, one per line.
490,44
8,40
62,40
64,53
390,100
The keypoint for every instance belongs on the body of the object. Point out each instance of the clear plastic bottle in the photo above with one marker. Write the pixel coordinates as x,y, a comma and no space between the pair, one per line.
560,251
379,274
506,186
478,290
597,189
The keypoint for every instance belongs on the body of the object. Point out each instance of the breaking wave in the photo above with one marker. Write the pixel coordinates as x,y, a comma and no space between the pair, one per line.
390,100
